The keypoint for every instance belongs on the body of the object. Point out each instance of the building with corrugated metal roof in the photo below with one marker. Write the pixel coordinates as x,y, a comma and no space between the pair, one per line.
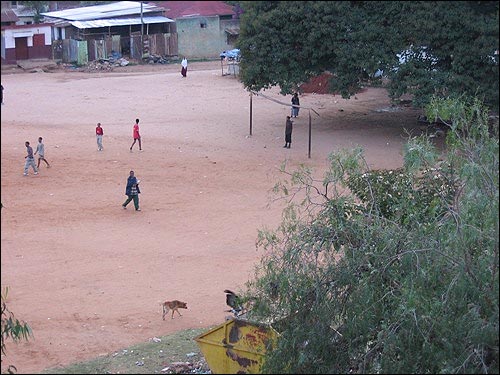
196,29
93,32
120,18
130,28
204,28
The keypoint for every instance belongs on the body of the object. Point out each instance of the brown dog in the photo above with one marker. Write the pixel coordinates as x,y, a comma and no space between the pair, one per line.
174,306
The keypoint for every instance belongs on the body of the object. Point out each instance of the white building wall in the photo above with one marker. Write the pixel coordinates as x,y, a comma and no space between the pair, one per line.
11,34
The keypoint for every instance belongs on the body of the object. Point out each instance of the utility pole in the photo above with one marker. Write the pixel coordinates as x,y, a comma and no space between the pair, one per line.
251,112
142,34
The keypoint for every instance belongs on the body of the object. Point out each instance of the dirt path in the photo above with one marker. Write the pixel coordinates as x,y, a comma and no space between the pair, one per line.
87,275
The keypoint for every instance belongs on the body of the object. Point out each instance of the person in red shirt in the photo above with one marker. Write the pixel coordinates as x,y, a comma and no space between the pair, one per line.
99,133
137,136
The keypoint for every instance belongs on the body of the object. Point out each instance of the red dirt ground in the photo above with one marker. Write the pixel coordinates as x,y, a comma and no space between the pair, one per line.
87,275
316,85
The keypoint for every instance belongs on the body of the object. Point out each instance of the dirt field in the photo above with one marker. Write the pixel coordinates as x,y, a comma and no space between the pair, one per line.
87,275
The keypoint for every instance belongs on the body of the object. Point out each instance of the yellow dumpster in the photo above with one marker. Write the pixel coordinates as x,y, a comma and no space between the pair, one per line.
235,347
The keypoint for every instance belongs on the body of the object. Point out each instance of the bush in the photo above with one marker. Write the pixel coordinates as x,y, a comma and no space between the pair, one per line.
12,328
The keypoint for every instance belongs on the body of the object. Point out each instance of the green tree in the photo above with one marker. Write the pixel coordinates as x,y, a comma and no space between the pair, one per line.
12,328
425,48
38,8
388,271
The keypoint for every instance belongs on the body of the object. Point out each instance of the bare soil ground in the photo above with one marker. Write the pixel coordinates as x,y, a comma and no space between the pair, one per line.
87,275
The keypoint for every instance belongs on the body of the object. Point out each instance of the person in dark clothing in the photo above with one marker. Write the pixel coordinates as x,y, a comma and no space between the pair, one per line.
295,102
132,191
288,132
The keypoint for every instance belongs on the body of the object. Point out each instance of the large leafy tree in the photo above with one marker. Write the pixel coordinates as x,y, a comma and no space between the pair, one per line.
388,271
425,48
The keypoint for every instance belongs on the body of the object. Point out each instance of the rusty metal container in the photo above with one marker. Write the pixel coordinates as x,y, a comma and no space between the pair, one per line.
236,346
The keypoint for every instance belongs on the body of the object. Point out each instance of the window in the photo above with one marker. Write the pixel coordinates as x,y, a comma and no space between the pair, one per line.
203,24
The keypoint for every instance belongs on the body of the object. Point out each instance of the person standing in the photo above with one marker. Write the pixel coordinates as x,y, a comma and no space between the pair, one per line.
40,150
288,132
30,160
184,68
99,133
136,135
295,102
132,191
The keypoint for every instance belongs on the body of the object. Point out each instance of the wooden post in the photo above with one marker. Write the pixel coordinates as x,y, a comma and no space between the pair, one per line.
251,113
142,35
310,134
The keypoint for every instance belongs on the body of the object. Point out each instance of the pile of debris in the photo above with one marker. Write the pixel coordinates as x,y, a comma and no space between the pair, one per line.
105,64
198,367
155,59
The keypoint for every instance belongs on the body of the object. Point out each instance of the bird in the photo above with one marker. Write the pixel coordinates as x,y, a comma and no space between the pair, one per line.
234,302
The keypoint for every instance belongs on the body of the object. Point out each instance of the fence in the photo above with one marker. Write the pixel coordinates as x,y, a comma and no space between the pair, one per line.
103,49
70,51
83,51
153,44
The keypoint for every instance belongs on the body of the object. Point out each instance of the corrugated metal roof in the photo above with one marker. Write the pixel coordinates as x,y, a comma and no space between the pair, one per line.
60,23
8,15
121,8
30,26
179,9
118,22
234,30
23,11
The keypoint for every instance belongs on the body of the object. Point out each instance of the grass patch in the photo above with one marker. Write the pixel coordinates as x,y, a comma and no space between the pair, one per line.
145,358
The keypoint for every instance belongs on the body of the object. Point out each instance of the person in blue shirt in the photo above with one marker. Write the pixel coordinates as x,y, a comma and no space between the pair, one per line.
132,191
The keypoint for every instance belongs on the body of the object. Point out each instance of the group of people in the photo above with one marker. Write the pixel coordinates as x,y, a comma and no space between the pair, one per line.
132,190
99,132
30,157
